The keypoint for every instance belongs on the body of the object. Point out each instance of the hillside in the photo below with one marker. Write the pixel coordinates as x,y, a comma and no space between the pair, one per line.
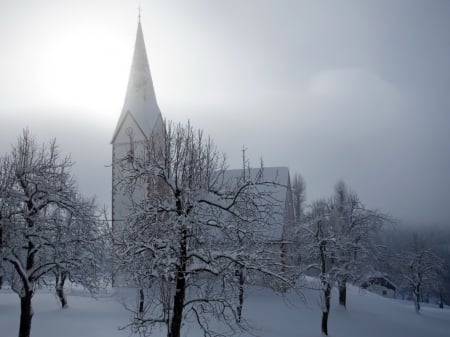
272,316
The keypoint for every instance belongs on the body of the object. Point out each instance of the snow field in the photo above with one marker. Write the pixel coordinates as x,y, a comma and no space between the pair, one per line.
367,315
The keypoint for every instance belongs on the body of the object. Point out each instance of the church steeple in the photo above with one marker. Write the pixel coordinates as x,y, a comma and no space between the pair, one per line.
140,99
140,125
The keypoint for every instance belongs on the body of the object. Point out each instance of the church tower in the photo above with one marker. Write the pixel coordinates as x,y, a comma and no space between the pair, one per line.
139,121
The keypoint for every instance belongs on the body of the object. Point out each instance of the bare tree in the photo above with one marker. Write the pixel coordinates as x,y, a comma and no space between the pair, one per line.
338,238
5,181
299,197
399,240
355,228
187,241
320,241
79,237
420,269
37,188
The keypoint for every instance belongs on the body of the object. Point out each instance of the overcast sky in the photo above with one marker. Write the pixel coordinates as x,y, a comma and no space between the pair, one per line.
350,90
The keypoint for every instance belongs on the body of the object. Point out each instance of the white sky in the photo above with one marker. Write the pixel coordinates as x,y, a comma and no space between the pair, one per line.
353,90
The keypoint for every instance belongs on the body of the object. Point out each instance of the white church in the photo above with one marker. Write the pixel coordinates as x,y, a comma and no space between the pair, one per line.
141,120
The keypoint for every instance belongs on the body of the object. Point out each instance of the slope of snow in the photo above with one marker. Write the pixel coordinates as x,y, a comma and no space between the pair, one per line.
272,316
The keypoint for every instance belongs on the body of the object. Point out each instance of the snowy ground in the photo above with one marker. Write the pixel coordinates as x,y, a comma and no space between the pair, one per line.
367,315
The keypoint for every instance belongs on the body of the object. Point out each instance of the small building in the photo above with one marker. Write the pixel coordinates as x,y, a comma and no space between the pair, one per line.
380,284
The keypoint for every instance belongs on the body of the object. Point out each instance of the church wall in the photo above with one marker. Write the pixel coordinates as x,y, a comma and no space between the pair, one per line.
129,138
288,226
129,143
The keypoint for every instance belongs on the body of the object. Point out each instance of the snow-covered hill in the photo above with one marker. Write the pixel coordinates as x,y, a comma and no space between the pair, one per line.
272,316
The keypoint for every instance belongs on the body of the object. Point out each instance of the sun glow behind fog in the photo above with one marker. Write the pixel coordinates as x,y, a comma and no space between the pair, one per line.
76,56
85,67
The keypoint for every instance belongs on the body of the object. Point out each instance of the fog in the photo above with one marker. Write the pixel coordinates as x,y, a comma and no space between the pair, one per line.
348,90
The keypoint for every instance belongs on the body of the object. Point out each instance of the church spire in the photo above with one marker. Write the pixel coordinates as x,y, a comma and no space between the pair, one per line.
140,98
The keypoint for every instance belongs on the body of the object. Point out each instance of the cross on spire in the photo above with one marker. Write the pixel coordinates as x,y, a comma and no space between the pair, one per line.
139,12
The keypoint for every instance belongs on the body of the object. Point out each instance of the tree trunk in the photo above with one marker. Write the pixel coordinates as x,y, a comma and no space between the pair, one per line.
59,287
26,314
441,300
342,285
178,305
241,293
26,310
180,291
325,322
1,281
417,305
416,296
141,302
326,312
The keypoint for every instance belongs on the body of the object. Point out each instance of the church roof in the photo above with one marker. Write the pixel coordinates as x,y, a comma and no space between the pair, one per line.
278,175
140,99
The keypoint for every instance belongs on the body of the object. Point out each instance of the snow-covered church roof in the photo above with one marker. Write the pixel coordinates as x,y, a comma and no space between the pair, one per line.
140,99
277,175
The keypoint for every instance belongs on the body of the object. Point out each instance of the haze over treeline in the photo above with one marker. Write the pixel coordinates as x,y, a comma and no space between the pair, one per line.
354,91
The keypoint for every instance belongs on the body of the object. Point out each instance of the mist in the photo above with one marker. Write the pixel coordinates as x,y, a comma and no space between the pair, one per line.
355,91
